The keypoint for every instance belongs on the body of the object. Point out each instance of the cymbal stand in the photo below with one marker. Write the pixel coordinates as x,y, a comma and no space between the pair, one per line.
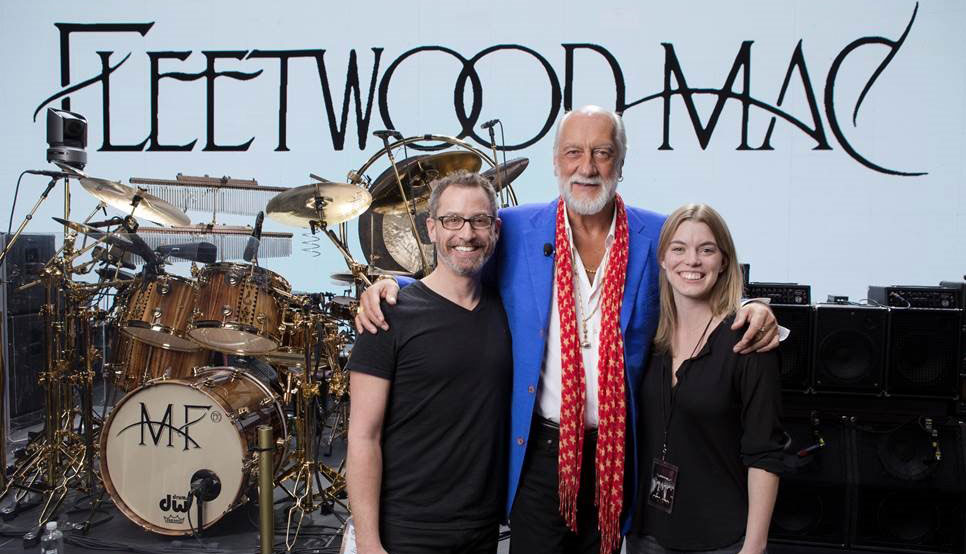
55,461
410,208
306,468
507,195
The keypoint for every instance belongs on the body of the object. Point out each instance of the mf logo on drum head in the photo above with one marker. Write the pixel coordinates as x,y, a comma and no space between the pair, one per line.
156,428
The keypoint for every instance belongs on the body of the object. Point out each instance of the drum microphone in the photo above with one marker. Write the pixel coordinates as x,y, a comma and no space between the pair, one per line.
489,124
547,249
202,252
205,485
54,174
251,249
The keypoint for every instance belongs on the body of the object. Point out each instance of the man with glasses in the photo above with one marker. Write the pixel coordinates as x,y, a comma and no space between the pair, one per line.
431,395
579,283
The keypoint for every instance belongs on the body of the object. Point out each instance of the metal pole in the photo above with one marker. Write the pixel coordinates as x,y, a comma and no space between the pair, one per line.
266,488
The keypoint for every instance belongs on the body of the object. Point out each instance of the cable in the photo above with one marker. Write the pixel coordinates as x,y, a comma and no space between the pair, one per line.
14,206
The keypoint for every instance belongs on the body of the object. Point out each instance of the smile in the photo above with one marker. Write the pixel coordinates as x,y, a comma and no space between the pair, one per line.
691,275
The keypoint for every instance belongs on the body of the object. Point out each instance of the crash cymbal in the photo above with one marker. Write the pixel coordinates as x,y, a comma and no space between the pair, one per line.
297,206
122,197
342,278
508,172
416,174
113,239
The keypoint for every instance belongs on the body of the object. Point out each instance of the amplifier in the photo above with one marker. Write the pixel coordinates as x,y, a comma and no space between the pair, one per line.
902,296
780,293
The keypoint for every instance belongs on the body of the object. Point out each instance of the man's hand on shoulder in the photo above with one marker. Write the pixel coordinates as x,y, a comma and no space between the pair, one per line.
370,317
762,332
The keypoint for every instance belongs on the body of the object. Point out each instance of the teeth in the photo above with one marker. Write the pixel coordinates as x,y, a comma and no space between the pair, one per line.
464,248
691,276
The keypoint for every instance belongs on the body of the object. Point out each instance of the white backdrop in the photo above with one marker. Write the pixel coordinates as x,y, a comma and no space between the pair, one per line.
815,216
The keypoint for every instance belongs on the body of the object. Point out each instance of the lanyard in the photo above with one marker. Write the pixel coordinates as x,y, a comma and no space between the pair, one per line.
668,411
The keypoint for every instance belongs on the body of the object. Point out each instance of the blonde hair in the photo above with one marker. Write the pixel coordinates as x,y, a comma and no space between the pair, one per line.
726,292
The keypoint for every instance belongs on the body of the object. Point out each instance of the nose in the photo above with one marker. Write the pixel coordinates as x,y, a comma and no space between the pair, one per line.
692,258
587,166
466,231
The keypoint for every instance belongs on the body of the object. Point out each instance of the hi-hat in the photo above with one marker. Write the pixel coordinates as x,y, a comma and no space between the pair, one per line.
133,201
298,206
416,174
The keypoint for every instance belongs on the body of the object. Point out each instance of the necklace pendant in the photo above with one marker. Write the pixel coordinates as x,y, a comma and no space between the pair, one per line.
585,343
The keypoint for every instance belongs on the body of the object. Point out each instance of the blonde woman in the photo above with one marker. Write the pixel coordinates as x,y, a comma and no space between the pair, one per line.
711,436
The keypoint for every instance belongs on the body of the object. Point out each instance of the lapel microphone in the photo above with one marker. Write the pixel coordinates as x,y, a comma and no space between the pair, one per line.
547,249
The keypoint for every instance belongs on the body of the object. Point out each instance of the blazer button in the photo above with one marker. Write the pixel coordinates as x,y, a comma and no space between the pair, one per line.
531,389
520,441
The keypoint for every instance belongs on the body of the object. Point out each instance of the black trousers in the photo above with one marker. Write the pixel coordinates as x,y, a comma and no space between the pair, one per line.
536,525
397,539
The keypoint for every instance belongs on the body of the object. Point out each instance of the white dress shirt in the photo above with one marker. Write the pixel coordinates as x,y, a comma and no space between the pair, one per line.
587,302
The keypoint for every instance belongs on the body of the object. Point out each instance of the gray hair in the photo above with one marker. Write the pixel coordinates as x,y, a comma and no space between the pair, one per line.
620,133
461,178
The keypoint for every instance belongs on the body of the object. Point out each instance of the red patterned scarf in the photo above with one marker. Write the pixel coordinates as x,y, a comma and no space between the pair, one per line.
609,460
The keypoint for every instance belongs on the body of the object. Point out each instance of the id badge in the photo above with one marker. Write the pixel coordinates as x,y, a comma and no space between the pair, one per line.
664,479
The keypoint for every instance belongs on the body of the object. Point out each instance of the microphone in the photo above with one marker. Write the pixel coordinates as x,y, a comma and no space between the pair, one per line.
108,273
388,133
547,249
54,174
203,252
205,485
489,124
112,255
251,249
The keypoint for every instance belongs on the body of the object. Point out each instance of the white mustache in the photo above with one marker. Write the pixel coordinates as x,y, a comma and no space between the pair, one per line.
586,181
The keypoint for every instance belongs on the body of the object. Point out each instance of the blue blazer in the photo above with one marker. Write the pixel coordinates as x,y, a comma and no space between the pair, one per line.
524,275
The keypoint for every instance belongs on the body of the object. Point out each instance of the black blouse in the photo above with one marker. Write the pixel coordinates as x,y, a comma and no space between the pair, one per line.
725,419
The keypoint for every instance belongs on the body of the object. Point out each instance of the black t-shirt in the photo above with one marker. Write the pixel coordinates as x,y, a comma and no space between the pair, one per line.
725,419
444,439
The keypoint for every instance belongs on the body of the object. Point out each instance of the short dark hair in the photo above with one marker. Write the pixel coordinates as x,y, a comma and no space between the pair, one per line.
461,178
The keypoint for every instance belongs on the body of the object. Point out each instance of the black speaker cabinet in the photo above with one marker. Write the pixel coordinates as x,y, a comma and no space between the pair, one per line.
25,357
23,265
849,348
796,350
923,353
813,501
910,486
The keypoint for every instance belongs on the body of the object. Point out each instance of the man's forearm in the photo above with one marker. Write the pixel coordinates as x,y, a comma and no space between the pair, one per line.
364,480
762,491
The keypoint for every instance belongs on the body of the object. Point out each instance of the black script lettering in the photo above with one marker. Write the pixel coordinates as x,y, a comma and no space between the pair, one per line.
474,80
351,84
165,503
156,77
283,57
157,428
469,71
817,132
673,67
211,75
106,145
830,113
67,28
568,91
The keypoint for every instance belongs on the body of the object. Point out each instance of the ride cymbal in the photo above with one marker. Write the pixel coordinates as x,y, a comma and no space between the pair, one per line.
135,202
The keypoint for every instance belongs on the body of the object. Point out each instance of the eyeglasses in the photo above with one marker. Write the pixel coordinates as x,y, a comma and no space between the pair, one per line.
456,222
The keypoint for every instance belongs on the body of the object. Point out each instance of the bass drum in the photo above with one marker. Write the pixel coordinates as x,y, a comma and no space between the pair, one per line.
164,434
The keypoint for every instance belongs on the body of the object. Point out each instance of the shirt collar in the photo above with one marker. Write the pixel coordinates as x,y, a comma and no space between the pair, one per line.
610,232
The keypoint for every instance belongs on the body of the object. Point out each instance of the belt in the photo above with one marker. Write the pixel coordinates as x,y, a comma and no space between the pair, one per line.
548,429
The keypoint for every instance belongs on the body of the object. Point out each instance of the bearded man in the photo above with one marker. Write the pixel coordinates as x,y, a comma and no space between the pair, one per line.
579,282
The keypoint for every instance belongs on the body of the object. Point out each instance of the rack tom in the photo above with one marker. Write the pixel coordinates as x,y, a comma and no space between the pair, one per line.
239,308
158,311
134,363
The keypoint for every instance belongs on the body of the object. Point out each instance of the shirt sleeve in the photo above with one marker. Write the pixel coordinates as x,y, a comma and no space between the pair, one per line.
758,385
374,354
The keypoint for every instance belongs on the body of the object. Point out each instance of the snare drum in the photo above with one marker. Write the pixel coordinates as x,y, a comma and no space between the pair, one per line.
134,363
158,311
163,433
239,309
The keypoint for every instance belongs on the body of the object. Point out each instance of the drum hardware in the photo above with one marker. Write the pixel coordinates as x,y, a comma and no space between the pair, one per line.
211,194
230,240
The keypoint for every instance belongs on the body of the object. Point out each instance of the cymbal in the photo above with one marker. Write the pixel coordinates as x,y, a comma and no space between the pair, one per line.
508,172
343,278
121,196
113,239
416,173
296,206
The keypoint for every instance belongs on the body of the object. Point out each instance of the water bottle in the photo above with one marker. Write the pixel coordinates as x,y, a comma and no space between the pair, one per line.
52,541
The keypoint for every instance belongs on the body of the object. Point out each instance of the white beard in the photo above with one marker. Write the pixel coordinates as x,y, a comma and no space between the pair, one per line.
587,206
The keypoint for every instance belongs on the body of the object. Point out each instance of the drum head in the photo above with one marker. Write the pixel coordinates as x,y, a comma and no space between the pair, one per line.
161,339
157,437
233,341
